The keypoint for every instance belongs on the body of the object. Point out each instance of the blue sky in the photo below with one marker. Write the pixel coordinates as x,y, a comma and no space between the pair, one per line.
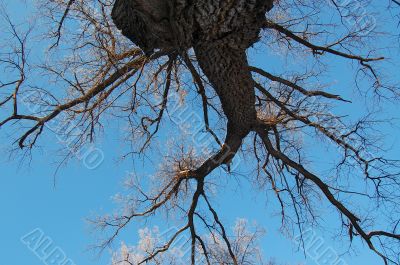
29,199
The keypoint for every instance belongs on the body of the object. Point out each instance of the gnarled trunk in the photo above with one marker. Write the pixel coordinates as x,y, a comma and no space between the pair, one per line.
220,31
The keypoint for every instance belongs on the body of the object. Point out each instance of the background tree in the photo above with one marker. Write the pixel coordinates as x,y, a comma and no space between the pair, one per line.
197,50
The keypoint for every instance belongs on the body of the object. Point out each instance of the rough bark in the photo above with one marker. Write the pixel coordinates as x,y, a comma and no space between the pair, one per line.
220,32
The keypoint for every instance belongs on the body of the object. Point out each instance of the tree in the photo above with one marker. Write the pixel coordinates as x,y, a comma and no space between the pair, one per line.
199,48
244,247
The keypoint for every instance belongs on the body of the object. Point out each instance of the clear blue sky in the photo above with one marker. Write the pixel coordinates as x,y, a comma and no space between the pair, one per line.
29,200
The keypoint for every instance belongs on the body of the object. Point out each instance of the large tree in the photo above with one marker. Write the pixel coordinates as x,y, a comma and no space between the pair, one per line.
200,49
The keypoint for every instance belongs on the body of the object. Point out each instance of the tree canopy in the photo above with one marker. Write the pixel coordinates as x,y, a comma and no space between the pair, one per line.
276,116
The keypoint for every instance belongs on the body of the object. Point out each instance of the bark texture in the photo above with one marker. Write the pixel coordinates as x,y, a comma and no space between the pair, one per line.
220,31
